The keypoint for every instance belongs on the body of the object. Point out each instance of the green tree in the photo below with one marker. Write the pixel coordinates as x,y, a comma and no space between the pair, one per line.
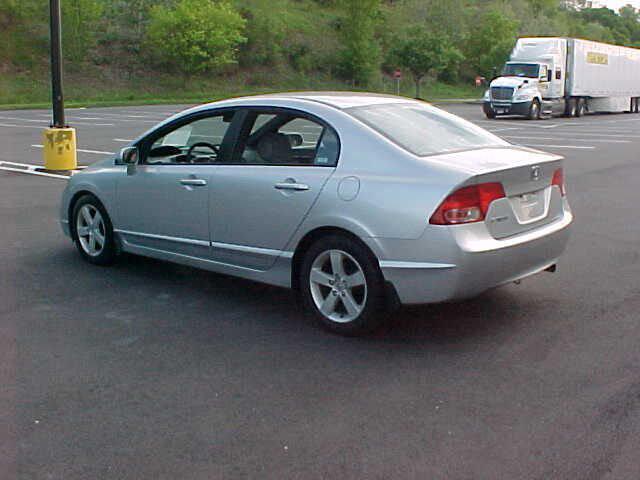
360,55
23,33
196,35
491,42
448,18
266,31
595,31
80,25
422,52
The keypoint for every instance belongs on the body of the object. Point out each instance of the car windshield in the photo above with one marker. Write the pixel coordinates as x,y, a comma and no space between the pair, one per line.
529,70
424,130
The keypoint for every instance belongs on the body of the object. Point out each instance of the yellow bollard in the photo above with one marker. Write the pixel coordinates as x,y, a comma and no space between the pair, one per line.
60,148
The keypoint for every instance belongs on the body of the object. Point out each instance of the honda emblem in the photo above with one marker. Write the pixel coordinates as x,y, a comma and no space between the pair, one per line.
535,173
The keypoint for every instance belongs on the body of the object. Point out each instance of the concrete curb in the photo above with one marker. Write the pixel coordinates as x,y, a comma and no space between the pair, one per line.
452,101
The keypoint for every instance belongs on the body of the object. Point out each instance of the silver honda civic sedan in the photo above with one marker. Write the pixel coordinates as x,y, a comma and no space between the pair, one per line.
355,200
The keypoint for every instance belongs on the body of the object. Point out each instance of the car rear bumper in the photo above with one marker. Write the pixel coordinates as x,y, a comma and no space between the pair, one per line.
477,262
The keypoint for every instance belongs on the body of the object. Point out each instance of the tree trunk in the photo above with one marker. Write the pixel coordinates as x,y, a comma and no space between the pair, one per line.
418,81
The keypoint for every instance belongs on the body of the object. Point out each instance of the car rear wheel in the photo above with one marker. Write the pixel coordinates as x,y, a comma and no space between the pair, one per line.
93,232
341,284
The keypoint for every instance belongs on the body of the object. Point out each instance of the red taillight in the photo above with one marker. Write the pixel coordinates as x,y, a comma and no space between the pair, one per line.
558,180
468,204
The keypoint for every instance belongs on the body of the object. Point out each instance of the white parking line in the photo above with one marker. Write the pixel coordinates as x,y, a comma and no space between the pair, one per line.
590,134
123,140
600,128
110,116
570,139
503,129
98,152
19,126
29,169
574,147
46,121
118,119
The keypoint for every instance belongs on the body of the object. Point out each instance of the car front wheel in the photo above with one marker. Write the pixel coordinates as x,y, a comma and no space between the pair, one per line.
93,232
342,285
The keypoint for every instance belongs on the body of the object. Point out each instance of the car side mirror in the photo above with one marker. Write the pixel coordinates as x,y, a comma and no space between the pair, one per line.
128,156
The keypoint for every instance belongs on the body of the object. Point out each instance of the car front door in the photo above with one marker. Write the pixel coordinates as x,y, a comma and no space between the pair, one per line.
280,164
163,201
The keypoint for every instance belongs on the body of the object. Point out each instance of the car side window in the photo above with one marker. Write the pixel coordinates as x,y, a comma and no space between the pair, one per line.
197,142
287,138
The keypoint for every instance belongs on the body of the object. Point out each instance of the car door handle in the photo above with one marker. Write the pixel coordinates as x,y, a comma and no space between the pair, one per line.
193,182
299,187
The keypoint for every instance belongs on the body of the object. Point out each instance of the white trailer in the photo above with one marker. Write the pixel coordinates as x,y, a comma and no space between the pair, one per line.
565,76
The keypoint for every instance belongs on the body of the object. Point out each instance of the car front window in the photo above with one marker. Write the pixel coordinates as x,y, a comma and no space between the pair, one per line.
424,130
197,142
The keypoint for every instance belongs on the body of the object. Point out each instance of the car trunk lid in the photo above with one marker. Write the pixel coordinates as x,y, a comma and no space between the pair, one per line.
526,175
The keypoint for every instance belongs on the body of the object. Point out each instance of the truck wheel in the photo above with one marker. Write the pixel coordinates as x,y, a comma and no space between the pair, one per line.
488,111
534,111
581,107
570,108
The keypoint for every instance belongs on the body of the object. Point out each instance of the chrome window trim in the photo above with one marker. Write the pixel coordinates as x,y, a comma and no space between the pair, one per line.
189,241
192,258
224,246
255,250
420,265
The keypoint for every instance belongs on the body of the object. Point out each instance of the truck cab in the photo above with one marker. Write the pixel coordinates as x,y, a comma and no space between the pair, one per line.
532,82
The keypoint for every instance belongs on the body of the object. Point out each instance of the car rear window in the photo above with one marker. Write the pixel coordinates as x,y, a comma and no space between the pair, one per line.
424,130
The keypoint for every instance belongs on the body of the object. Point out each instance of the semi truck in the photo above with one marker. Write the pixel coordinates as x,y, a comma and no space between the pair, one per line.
551,76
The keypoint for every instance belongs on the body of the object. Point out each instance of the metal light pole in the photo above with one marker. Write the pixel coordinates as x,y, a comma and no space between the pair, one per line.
56,64
59,140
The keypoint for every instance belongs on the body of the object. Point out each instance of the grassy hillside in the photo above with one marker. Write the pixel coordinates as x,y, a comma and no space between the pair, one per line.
153,51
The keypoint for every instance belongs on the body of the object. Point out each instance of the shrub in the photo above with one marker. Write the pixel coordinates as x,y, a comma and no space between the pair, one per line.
196,35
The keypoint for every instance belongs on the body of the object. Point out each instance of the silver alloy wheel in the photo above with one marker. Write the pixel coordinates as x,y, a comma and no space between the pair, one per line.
338,286
91,230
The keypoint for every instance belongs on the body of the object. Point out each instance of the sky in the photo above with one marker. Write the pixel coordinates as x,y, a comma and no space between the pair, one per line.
616,4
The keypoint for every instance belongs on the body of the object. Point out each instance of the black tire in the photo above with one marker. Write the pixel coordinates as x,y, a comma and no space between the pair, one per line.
580,107
488,111
567,108
535,111
108,253
373,303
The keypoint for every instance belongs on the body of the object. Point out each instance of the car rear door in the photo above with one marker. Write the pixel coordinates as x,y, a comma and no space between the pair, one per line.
281,163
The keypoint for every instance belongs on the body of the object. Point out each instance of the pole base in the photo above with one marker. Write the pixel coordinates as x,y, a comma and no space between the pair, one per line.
59,150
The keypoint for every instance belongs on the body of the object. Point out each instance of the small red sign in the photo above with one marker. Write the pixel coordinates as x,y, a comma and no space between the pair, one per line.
397,74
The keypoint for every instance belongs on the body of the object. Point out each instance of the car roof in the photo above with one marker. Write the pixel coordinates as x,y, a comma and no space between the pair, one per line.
339,100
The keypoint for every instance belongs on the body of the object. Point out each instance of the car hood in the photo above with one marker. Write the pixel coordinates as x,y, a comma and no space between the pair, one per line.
107,162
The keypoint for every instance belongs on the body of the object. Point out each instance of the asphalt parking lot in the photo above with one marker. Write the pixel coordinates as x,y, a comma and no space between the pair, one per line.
152,370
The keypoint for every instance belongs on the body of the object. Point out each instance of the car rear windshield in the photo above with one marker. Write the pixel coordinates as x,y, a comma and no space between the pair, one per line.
422,129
